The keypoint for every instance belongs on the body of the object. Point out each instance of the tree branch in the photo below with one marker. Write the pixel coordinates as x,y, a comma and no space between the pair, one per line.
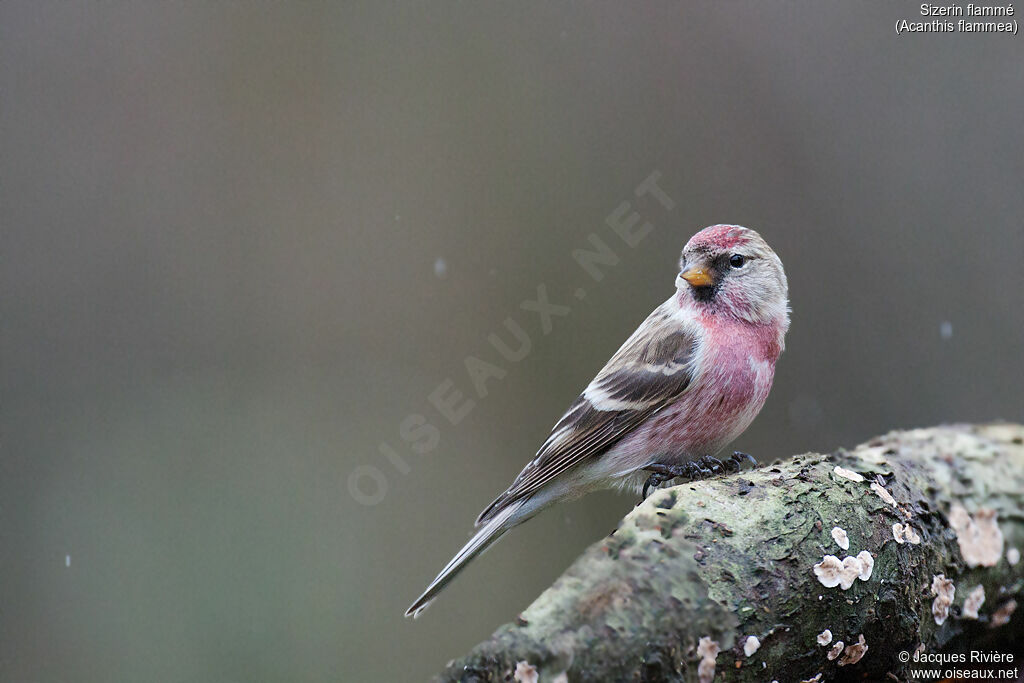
742,562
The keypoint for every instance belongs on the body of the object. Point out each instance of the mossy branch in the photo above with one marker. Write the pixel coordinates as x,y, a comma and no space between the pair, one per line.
733,561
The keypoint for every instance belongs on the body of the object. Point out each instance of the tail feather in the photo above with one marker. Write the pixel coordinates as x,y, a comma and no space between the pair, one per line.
491,511
482,539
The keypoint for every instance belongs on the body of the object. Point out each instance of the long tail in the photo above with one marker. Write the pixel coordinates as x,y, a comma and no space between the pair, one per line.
488,534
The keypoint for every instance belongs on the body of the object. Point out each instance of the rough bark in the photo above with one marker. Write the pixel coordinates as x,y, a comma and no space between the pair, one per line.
733,557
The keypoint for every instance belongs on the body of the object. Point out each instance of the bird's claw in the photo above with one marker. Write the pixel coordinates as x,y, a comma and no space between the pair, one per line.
659,475
741,459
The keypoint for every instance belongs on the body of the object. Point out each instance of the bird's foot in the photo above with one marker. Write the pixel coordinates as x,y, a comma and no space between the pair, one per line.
702,468
712,465
690,471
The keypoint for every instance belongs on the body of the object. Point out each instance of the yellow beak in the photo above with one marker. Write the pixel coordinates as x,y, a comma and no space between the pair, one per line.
697,277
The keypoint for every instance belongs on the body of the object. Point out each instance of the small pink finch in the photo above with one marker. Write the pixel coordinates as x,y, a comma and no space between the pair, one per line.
689,380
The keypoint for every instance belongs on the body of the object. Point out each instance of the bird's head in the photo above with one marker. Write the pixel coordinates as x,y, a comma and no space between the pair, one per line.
731,270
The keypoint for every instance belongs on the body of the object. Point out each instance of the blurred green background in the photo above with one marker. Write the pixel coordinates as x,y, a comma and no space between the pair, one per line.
242,242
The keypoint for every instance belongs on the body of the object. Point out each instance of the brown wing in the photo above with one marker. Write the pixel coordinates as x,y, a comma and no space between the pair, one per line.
650,371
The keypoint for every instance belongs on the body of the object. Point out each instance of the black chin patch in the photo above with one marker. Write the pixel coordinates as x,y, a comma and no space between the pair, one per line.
704,294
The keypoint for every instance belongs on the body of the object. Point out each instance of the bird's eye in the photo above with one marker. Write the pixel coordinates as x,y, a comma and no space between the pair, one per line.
737,261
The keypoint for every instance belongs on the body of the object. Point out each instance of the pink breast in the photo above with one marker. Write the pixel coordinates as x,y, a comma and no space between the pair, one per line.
727,396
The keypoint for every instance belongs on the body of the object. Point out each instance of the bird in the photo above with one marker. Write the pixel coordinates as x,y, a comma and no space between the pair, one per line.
685,384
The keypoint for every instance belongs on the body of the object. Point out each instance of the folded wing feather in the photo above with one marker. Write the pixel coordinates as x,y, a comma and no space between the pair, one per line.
650,371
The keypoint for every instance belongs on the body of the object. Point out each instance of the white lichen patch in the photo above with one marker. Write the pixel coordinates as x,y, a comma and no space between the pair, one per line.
943,590
848,474
980,540
840,537
852,570
1001,616
825,637
816,679
973,602
525,673
905,534
829,571
874,455
1003,432
751,645
707,650
867,565
883,493
836,650
1012,556
854,653
832,571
